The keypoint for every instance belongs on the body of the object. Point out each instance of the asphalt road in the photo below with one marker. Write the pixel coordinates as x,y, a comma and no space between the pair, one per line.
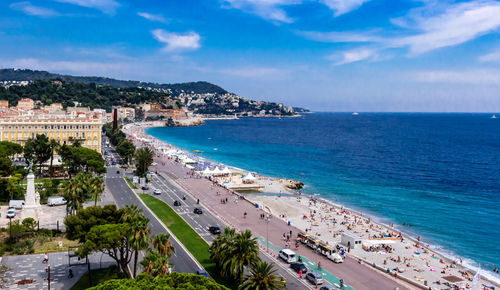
123,196
201,223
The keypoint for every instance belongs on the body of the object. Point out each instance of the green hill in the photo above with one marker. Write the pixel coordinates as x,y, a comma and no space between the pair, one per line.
200,87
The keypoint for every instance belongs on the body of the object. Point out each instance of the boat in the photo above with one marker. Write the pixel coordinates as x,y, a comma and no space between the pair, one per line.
197,151
493,117
355,113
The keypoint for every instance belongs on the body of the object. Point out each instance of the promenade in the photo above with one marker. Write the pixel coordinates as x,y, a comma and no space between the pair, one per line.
357,275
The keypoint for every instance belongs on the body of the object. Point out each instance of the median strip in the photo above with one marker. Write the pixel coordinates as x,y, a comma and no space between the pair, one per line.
193,242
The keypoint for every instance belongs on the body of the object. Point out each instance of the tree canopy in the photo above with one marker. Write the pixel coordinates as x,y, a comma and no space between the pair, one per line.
167,282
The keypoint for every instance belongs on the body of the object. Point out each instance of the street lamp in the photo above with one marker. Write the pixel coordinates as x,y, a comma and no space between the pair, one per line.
267,232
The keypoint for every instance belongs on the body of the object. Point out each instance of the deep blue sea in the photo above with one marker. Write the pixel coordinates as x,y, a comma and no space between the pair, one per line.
438,172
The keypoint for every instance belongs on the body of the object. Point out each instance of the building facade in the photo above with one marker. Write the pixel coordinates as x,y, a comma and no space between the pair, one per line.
65,130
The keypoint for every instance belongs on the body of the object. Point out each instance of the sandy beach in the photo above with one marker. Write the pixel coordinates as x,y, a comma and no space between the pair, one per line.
383,246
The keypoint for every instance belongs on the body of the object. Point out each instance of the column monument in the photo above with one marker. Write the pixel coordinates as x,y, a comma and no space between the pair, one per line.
31,198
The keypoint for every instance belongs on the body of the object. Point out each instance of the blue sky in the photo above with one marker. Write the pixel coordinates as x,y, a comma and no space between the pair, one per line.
326,55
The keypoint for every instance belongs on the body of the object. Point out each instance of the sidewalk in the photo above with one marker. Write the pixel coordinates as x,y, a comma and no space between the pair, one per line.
30,267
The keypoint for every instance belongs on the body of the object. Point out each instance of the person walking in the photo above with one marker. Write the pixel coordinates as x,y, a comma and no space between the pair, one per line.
45,258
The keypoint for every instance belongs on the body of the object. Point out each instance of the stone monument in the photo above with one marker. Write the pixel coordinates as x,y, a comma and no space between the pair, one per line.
31,198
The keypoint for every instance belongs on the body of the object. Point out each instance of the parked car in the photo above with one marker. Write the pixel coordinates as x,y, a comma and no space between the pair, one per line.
299,266
145,187
154,164
198,210
56,200
16,203
11,213
327,287
158,192
215,230
177,203
202,273
315,278
288,255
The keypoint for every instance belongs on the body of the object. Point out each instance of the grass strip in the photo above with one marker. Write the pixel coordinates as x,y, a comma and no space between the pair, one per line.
98,276
130,183
195,244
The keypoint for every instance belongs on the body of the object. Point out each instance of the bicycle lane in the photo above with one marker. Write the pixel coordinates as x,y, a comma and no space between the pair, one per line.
330,278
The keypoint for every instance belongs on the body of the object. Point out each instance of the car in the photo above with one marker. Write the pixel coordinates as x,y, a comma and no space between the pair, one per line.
145,187
299,266
327,287
177,203
202,273
315,278
288,256
118,172
56,200
215,230
11,213
198,210
157,192
154,164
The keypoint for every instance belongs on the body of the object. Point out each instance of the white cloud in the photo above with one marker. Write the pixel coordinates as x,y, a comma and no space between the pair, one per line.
491,57
343,6
177,42
457,24
341,36
473,76
152,17
267,9
29,9
354,55
106,6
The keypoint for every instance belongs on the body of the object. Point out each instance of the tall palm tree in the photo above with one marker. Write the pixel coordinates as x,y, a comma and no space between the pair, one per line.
155,264
53,144
262,276
163,244
220,246
243,252
140,231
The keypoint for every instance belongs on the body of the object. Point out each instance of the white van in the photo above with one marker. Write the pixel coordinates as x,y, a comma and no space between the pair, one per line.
288,256
56,200
17,204
336,258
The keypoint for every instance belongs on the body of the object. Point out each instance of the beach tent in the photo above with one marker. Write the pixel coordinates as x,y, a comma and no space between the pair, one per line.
217,171
226,171
369,243
207,171
249,177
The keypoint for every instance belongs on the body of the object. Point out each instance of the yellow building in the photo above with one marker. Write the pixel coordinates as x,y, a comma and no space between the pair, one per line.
26,104
63,128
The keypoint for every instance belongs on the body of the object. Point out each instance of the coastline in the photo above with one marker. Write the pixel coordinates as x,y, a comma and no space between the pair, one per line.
374,220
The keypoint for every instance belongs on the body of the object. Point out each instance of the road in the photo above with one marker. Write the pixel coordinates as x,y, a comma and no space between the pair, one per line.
123,196
170,193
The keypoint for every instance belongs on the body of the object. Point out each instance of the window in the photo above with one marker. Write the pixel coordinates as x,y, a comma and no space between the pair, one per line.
83,134
89,142
95,142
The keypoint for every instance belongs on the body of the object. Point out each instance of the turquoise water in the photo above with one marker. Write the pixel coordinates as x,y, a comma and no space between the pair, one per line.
440,173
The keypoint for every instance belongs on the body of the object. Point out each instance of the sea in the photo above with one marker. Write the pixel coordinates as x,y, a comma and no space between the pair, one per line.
439,174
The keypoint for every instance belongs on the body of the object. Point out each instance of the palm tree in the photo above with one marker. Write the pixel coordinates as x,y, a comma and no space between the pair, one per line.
96,186
155,264
243,252
163,244
139,238
53,144
78,189
220,246
262,276
143,159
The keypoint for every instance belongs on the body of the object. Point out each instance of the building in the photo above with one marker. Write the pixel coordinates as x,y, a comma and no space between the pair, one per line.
25,104
126,113
4,104
66,129
166,114
54,107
